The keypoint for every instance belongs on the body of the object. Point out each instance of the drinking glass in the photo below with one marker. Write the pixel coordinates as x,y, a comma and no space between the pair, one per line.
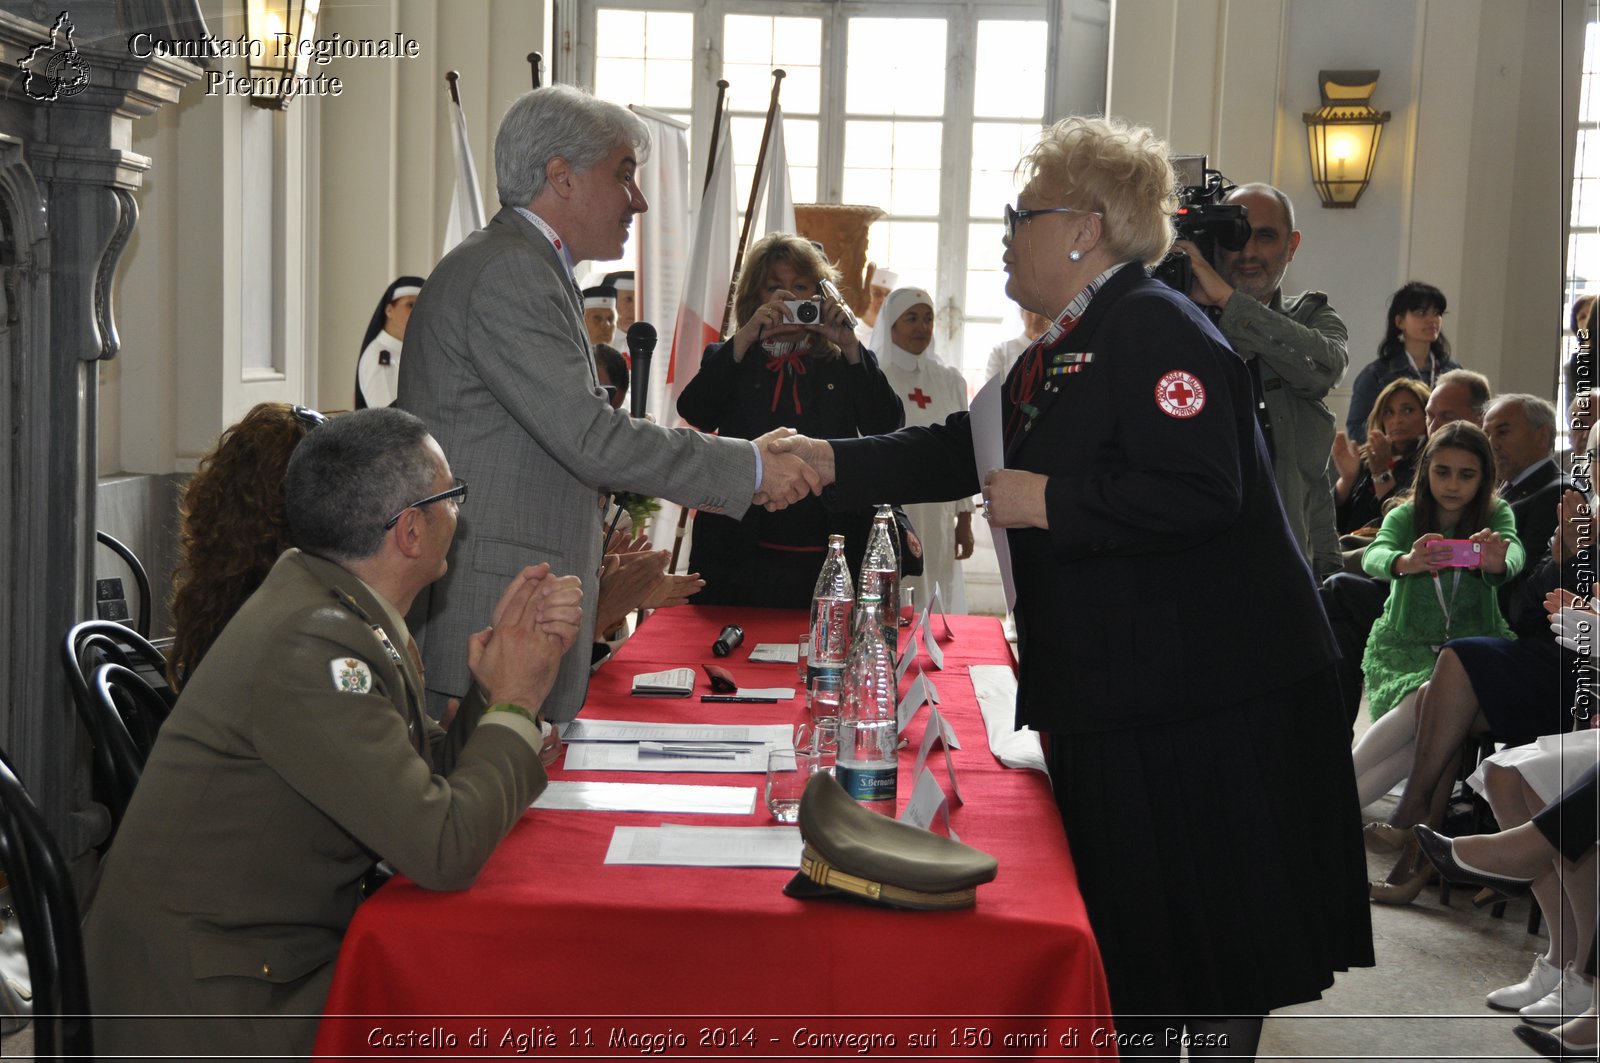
788,771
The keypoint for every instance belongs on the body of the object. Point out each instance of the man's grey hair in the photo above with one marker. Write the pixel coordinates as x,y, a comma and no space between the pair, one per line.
559,121
1478,390
349,476
1261,189
1541,413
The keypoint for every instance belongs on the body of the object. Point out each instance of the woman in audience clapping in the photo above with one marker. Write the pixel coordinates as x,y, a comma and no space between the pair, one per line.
1373,472
1437,593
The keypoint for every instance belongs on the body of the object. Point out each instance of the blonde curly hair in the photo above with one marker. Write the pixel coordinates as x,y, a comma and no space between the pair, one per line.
1120,171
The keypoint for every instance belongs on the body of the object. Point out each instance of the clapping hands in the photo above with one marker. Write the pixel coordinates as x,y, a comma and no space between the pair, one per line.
515,659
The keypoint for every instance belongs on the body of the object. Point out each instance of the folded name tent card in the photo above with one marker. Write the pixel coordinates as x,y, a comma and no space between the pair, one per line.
672,683
937,606
928,804
938,730
907,655
775,653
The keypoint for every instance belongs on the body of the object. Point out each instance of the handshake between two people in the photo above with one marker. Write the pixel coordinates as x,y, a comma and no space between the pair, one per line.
792,467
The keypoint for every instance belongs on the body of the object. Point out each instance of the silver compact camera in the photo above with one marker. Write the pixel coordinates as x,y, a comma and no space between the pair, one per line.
805,311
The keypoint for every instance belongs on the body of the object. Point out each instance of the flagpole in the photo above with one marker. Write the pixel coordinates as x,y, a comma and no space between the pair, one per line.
755,190
716,130
535,60
452,76
711,165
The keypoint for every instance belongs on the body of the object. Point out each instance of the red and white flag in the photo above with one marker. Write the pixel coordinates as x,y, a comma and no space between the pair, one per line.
466,202
705,289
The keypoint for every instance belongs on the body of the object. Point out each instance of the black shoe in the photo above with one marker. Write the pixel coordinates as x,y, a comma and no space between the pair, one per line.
1441,853
1549,1045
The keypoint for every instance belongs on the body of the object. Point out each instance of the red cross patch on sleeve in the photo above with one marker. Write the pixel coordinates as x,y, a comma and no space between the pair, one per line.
1180,394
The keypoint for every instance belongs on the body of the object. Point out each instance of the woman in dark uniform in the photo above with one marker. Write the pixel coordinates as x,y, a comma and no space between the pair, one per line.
1172,647
773,372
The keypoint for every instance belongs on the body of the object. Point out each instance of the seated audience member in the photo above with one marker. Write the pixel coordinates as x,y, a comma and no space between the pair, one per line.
1354,601
1522,431
378,368
1413,346
1562,833
1004,355
1459,395
298,758
1516,691
231,528
600,313
612,371
1433,596
1385,463
1518,782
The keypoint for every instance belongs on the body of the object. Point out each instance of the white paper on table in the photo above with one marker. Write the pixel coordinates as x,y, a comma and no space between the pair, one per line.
927,804
650,731
996,687
626,756
989,451
775,653
680,846
938,728
566,795
935,651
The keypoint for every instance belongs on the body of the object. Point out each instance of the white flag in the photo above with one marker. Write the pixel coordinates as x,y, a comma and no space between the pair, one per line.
662,234
466,203
705,290
774,211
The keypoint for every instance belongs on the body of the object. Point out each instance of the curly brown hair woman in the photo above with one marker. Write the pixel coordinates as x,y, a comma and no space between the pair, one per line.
231,527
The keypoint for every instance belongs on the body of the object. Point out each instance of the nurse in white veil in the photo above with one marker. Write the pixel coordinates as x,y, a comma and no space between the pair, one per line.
930,391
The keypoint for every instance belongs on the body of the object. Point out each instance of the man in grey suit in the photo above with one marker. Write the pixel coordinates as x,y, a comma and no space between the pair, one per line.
498,365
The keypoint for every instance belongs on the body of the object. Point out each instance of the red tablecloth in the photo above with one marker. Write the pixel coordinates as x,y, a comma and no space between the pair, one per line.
553,954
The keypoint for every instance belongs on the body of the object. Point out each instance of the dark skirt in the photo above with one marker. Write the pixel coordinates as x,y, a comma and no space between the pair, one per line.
1524,687
1220,856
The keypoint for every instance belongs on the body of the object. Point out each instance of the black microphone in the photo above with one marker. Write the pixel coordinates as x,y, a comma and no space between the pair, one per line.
729,639
641,344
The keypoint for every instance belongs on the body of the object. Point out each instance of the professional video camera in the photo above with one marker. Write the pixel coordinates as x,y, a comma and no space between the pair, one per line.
1202,218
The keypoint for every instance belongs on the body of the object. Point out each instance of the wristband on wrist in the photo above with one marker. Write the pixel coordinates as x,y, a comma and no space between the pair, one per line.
1384,477
506,706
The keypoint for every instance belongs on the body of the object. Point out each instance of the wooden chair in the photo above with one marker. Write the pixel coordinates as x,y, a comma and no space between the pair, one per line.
42,894
140,579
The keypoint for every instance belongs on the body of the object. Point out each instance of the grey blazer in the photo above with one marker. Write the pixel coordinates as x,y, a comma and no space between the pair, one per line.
498,365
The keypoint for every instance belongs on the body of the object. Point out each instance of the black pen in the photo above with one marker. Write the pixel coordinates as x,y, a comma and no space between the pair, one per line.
738,697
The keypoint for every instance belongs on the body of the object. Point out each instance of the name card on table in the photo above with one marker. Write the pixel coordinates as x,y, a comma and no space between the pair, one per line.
935,654
918,693
936,605
938,729
928,804
907,655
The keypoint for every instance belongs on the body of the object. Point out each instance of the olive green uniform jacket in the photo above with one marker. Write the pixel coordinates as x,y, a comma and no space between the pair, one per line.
297,757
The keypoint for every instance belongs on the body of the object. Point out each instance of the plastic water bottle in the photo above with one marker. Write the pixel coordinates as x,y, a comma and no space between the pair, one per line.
880,577
831,605
868,733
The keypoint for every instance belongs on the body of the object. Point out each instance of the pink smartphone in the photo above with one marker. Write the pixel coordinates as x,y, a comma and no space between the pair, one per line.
1464,553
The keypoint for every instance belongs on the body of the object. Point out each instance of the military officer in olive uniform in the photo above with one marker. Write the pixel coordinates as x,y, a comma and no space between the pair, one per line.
299,757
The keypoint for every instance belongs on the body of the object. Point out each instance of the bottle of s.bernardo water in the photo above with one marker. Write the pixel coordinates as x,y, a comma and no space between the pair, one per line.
868,734
831,604
880,577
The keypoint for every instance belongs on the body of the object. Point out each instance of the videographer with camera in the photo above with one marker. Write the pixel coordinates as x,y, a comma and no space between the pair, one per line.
1297,350
794,361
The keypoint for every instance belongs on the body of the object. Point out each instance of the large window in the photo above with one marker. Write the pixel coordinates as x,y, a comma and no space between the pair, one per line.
920,109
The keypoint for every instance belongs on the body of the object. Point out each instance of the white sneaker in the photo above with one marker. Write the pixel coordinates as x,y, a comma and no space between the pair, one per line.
1544,977
1572,997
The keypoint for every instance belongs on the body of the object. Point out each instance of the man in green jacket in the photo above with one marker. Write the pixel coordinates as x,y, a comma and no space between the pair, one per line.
299,757
1297,350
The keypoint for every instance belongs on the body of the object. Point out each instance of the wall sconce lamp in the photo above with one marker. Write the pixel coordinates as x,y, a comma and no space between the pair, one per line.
1343,135
281,33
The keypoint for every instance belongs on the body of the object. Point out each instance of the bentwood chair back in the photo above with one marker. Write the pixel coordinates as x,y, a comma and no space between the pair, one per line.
47,908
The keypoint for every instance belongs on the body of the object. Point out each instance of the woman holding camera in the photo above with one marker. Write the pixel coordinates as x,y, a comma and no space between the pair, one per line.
776,371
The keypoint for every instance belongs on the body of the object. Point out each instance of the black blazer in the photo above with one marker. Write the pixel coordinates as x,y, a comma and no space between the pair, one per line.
1168,583
1533,501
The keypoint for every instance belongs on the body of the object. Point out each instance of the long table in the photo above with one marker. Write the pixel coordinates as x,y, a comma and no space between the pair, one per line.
553,954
